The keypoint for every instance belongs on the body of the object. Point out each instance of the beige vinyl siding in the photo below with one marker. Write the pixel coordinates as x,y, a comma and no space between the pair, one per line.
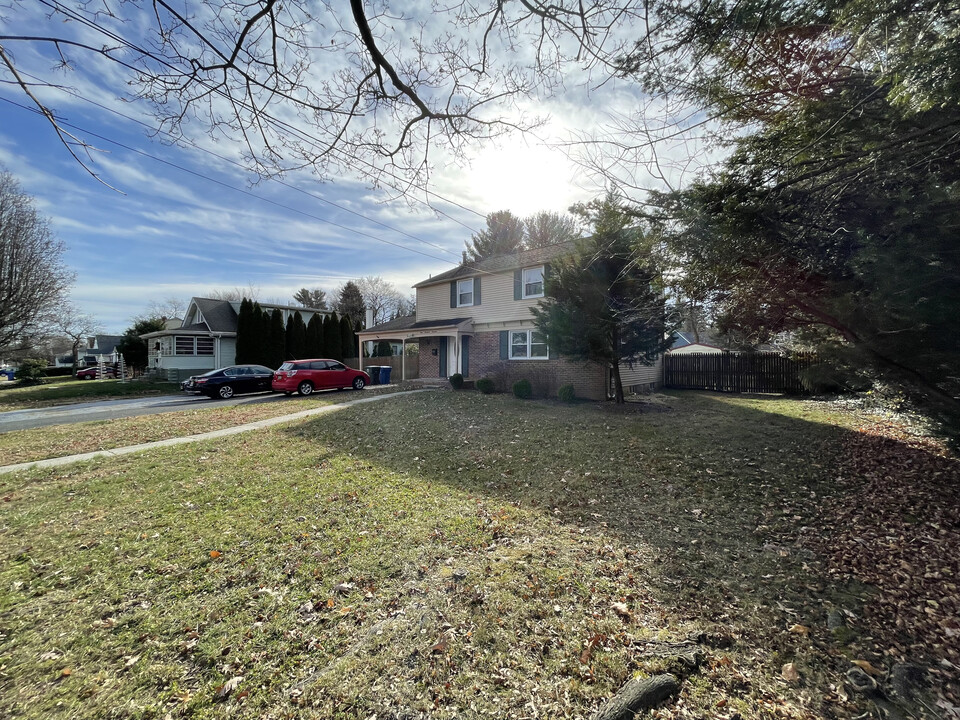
642,374
496,302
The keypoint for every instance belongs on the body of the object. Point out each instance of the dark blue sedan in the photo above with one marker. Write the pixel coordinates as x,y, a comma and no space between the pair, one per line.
229,381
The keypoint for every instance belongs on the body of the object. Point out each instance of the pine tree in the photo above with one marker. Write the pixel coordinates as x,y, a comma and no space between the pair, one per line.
297,345
601,304
259,331
504,234
244,318
348,344
331,337
315,347
350,302
278,335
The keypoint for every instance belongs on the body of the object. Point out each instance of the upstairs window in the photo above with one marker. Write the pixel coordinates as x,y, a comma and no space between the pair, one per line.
465,292
533,282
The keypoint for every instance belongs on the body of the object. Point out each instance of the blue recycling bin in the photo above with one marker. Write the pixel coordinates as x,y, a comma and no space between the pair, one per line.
9,372
374,372
385,374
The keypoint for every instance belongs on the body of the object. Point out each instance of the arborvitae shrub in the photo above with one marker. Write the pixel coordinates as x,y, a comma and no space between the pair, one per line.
456,381
567,394
522,389
485,385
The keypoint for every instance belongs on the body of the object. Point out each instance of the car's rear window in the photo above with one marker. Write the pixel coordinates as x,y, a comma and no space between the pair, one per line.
287,366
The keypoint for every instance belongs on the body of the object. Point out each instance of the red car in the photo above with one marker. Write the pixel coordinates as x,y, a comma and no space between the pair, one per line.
92,373
305,376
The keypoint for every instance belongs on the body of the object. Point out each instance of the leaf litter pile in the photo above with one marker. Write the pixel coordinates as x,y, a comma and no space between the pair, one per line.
453,555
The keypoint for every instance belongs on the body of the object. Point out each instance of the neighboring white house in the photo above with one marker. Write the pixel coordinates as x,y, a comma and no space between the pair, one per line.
98,349
206,338
686,343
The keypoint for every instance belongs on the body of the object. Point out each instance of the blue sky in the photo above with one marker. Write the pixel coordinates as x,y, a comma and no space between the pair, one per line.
185,220
182,222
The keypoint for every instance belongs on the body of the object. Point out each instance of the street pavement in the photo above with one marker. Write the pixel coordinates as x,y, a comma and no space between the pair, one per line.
112,409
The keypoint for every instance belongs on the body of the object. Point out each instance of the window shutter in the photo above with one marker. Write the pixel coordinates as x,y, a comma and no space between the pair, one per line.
476,292
465,356
453,294
518,284
504,345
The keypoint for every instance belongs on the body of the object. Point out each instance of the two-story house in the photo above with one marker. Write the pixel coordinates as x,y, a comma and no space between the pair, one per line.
475,320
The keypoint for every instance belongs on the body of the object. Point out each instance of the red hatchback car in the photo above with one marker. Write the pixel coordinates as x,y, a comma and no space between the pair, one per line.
306,376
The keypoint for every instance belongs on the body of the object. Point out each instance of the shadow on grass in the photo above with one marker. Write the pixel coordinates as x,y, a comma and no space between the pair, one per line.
732,501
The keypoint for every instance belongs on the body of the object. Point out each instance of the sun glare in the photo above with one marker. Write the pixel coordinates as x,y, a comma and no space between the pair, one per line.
524,179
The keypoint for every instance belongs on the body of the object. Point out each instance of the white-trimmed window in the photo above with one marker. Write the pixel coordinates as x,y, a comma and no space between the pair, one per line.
533,282
465,292
528,345
190,345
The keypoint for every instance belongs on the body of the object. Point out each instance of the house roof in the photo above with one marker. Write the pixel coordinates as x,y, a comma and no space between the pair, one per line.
500,263
683,339
218,315
107,343
408,324
401,323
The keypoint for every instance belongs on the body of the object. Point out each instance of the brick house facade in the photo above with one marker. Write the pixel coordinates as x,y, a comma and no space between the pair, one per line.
475,320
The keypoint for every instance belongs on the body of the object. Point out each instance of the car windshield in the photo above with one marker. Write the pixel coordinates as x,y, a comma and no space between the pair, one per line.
287,366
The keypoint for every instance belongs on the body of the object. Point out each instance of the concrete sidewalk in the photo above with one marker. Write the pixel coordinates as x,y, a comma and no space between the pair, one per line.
236,430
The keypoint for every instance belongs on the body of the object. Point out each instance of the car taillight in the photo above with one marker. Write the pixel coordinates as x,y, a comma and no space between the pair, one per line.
201,381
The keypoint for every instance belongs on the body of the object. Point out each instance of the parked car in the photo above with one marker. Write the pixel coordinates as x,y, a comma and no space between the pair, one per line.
229,381
305,376
92,373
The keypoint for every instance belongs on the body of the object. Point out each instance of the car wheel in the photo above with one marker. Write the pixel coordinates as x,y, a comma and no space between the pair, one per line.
87,377
358,383
225,392
305,388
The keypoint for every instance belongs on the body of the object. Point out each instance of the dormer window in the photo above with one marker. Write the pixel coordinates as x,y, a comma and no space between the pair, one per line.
533,282
465,292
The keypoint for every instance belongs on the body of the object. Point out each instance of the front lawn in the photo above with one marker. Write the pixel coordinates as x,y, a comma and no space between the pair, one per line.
62,391
458,555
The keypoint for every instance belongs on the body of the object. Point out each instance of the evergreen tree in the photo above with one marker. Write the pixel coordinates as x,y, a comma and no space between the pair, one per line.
134,349
601,303
259,343
331,337
315,346
383,349
348,343
350,302
244,321
278,339
296,337
288,340
503,234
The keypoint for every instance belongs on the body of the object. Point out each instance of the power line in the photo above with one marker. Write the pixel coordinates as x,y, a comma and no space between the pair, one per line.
194,145
234,188
314,141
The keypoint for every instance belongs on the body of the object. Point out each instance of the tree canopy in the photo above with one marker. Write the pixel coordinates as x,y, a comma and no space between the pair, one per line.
133,348
316,298
339,87
837,207
33,278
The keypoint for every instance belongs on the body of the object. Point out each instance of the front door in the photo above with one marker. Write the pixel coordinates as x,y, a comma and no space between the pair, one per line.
443,358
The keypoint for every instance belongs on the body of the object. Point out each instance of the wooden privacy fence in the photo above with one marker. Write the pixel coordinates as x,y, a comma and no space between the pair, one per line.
745,372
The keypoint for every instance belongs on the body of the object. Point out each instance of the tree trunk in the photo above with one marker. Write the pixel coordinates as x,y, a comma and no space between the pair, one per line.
617,383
